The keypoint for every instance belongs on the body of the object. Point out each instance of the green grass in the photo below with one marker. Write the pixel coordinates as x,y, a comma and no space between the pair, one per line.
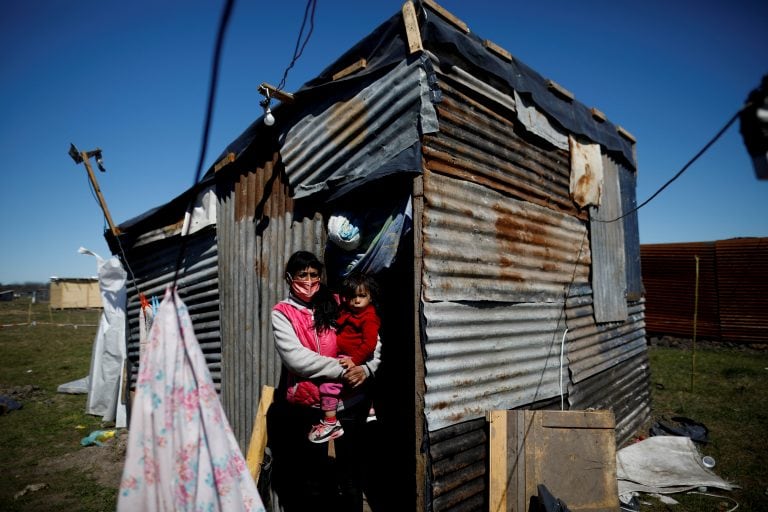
42,350
726,390
729,396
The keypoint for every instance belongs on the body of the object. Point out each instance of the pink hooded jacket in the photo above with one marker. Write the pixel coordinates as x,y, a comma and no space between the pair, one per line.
301,390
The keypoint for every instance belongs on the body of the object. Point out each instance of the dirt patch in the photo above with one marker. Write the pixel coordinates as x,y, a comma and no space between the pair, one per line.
103,463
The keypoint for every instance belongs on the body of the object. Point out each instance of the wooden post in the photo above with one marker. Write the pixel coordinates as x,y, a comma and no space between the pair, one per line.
695,322
412,32
259,434
95,184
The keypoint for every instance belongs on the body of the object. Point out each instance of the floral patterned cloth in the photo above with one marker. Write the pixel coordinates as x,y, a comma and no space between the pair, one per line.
182,455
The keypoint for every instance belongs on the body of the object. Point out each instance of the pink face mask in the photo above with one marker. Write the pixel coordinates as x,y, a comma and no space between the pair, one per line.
304,290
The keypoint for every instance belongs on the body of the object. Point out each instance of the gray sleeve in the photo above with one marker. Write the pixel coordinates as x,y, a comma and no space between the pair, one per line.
298,358
371,366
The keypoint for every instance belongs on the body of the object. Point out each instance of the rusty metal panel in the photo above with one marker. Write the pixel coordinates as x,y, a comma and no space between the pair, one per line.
259,228
742,284
153,267
609,278
481,245
485,356
479,141
593,348
624,389
353,137
669,278
458,462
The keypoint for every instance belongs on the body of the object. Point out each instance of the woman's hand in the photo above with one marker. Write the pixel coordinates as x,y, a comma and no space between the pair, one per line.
354,376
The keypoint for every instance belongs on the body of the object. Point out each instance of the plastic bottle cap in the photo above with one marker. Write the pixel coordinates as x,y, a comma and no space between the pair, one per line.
708,462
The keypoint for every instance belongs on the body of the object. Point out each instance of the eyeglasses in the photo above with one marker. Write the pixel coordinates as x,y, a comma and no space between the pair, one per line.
306,276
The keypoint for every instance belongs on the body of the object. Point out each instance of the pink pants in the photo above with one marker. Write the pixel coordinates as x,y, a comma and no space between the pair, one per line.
329,395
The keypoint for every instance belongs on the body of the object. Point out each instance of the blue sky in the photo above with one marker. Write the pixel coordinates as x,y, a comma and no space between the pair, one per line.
132,79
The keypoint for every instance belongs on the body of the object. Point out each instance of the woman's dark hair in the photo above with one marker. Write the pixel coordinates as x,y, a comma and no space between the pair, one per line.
323,302
350,284
301,260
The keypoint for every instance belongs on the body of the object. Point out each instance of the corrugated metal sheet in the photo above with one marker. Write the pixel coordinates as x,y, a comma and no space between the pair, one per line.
742,284
502,242
731,298
669,278
593,348
481,245
609,278
258,231
458,455
352,138
481,144
628,189
154,266
486,356
623,389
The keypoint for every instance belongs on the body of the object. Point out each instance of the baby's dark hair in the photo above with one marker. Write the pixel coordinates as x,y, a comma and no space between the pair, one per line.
358,279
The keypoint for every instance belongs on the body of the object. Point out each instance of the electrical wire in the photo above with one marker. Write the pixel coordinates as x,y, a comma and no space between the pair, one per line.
633,210
562,350
311,4
566,294
685,167
223,23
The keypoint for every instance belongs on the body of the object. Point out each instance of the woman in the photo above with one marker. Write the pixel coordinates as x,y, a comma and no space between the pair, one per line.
303,327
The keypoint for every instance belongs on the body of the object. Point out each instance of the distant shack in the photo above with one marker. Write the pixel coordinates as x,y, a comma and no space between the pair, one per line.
75,293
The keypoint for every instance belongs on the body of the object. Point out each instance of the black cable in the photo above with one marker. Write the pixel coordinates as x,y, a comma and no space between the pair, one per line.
225,15
681,171
311,4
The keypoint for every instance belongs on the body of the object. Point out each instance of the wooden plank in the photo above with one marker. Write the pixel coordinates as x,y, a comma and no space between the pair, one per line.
412,32
276,93
420,433
577,419
228,159
497,460
259,434
597,114
560,90
624,133
571,452
498,50
352,68
445,14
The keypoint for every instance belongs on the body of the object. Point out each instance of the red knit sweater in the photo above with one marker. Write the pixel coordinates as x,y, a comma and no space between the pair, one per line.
357,333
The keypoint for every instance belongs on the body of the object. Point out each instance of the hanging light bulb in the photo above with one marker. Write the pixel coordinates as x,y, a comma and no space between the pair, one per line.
269,119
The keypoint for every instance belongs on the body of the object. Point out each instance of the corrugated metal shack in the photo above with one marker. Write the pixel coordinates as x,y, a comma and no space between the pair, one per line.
486,192
732,280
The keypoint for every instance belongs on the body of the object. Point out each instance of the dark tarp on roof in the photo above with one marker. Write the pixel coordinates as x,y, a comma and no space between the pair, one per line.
385,47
